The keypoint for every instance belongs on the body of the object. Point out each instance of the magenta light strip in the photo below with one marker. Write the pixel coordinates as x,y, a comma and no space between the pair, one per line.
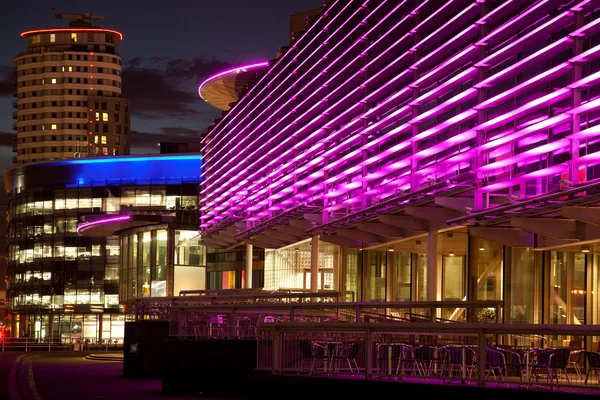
356,136
102,222
423,136
389,49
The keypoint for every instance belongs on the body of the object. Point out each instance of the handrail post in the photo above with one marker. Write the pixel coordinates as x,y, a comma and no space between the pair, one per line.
358,316
368,353
277,348
480,358
234,323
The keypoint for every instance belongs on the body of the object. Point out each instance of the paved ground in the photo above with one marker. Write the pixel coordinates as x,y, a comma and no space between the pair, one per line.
47,376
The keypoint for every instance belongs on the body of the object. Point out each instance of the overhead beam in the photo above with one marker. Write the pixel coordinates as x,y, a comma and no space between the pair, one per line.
275,241
222,236
506,236
558,228
220,242
544,241
292,230
361,235
342,241
379,228
259,243
589,215
316,218
435,214
281,235
210,243
301,223
404,221
462,204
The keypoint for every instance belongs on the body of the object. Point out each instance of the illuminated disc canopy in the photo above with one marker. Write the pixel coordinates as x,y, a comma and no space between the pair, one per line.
221,89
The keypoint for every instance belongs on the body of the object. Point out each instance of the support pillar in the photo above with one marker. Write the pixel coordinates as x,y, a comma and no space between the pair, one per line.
433,269
171,262
314,264
248,266
336,269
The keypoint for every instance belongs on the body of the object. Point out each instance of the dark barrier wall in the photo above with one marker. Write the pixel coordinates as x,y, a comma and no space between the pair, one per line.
144,348
210,367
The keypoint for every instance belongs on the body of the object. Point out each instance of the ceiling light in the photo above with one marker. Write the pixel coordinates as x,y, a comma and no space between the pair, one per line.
390,249
481,248
585,249
451,254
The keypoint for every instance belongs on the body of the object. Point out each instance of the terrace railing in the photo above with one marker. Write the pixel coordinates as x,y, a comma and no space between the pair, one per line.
502,355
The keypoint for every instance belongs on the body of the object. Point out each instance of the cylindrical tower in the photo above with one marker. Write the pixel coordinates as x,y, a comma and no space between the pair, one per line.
68,89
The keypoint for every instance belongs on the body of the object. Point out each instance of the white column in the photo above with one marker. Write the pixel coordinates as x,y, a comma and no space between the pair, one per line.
248,266
314,264
336,268
432,266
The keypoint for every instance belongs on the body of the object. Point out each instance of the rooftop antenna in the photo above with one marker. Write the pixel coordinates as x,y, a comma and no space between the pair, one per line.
78,19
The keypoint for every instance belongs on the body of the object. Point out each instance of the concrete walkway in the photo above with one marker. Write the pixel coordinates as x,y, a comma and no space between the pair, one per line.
51,376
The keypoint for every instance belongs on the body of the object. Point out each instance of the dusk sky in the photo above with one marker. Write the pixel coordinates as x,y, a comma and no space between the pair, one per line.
168,48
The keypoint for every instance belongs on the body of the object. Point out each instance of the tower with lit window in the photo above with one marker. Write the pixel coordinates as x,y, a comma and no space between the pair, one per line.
68,93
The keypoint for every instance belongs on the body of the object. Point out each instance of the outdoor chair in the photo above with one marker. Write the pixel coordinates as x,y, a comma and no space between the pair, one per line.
495,365
454,359
346,355
593,360
419,360
552,362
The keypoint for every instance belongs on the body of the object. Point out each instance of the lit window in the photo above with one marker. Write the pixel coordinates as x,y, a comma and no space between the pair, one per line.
96,139
52,38
73,37
97,116
43,81
103,139
53,81
53,126
115,152
70,68
35,39
63,69
105,151
105,117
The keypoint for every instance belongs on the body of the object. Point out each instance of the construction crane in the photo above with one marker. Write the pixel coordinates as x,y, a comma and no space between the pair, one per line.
78,19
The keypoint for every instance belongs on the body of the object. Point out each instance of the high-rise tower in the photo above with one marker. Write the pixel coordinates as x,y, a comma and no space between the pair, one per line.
68,93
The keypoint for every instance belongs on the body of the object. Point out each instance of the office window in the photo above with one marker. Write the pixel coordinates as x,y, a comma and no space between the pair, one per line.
116,117
63,69
35,40
97,116
117,139
105,128
115,152
52,38
96,139
117,106
118,129
105,117
103,140
70,68
105,152
90,37
43,81
53,81
53,126
73,37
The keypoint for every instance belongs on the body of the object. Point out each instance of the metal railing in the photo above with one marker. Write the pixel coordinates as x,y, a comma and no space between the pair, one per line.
241,320
159,308
503,355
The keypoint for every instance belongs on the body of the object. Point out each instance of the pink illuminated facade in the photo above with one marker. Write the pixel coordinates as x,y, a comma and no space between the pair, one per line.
407,150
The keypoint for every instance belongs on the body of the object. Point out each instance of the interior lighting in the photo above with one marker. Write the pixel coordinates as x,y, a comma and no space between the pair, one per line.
585,249
451,254
391,249
481,248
